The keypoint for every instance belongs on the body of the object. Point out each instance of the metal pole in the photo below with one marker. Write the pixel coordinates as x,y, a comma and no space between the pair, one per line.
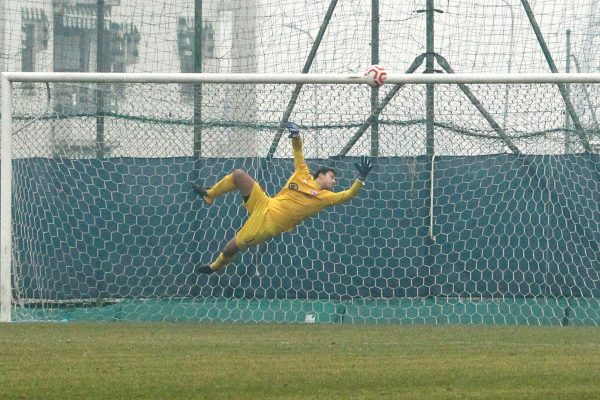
510,57
100,67
430,88
561,86
305,69
432,199
6,203
315,88
374,89
488,117
198,86
588,98
568,140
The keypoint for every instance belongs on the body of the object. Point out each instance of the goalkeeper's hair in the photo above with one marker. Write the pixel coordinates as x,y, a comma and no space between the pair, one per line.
323,170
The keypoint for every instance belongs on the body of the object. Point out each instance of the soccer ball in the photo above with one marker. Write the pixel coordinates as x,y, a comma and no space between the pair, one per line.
378,73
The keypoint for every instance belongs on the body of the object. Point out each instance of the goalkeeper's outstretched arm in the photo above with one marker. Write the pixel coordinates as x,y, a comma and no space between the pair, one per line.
299,161
363,167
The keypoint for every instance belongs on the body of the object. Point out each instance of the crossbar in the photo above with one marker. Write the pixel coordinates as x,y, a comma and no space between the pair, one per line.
500,78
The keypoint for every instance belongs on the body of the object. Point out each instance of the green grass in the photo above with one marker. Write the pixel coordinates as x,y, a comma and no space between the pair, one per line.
221,361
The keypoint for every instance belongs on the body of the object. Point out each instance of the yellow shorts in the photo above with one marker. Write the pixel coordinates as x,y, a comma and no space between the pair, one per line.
258,228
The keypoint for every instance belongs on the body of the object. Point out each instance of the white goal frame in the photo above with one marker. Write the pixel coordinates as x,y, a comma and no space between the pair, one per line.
399,79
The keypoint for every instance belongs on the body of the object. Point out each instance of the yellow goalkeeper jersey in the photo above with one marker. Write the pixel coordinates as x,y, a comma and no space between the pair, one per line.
301,197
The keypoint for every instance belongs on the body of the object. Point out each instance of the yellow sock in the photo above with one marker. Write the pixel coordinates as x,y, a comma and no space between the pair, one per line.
223,186
221,261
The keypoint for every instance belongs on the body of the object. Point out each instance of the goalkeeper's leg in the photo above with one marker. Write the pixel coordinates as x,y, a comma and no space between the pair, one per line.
237,179
257,229
225,257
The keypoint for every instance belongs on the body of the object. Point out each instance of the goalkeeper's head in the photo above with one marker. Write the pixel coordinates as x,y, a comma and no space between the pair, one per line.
325,178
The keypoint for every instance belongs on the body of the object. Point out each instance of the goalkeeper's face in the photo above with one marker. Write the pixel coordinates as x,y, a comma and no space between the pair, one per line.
326,180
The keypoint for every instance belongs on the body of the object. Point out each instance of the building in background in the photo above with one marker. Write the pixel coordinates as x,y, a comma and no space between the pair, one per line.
76,48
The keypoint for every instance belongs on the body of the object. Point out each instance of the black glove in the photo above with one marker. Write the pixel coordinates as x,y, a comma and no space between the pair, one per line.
364,167
294,130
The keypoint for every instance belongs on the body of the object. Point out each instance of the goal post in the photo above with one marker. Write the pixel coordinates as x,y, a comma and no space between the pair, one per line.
499,225
5,201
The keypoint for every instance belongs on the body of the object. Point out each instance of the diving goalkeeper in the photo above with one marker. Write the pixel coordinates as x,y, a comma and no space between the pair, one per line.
304,195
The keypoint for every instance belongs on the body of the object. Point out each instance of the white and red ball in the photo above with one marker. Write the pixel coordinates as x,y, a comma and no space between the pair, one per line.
378,73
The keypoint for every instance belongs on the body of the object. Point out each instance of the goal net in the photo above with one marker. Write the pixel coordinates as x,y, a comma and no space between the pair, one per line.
483,206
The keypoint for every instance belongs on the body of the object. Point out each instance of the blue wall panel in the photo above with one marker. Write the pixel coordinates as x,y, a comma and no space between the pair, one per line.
505,226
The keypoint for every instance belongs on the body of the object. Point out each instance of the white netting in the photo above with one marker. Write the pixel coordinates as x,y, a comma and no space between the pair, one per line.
113,231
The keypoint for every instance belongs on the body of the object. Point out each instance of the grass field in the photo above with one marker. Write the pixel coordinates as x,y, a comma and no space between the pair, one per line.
222,361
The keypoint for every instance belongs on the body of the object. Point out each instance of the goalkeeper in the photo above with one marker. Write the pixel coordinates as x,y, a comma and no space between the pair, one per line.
304,195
